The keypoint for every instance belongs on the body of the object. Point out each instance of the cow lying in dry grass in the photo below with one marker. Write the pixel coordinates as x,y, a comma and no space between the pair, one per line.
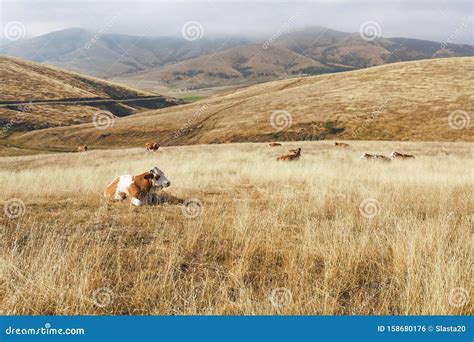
342,145
139,188
82,148
294,155
152,147
377,157
397,155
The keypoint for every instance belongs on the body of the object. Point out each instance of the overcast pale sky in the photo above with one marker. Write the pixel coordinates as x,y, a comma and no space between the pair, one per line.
440,20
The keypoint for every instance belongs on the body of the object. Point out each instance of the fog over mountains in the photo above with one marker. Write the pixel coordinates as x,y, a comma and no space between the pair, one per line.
178,63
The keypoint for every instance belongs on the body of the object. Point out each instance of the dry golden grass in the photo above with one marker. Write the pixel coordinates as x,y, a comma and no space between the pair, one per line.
265,225
21,80
25,81
401,101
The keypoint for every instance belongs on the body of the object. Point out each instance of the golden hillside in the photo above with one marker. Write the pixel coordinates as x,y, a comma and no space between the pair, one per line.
402,101
27,81
30,94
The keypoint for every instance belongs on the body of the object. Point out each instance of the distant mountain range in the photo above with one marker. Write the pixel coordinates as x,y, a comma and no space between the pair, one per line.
111,55
175,63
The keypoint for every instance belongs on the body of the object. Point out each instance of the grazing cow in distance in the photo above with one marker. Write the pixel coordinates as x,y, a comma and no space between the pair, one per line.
273,144
339,144
377,157
139,188
151,147
397,155
82,148
290,157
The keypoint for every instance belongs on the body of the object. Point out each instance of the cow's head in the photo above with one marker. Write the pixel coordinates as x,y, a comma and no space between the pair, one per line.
394,154
158,178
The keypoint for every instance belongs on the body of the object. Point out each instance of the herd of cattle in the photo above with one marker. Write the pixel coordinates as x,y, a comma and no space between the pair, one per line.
296,154
141,189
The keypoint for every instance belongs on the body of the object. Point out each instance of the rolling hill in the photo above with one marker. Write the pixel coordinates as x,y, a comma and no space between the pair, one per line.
37,96
249,64
400,101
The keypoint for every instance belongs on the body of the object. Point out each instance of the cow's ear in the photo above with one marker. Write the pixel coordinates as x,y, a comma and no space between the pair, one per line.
149,175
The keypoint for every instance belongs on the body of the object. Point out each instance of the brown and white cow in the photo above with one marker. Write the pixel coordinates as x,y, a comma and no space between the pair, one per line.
138,189
295,155
377,157
82,148
397,155
342,145
152,147
295,151
273,144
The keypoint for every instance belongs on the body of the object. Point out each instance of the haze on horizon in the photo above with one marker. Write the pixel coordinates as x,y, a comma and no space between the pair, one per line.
422,19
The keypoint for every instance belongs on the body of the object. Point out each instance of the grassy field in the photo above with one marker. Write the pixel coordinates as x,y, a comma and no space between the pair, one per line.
240,233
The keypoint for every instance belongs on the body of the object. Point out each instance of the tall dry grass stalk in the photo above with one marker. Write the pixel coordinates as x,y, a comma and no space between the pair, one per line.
328,234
